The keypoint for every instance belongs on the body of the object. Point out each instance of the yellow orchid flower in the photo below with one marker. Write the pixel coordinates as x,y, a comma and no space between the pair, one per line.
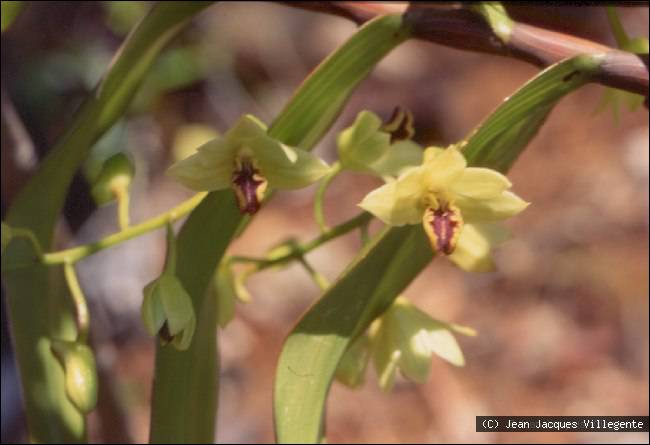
406,338
381,149
451,201
248,160
403,338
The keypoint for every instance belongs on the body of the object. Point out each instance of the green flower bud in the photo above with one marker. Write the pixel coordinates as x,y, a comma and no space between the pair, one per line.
114,178
80,370
168,312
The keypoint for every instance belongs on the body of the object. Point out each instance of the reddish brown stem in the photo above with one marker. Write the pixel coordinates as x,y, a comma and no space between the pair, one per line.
464,29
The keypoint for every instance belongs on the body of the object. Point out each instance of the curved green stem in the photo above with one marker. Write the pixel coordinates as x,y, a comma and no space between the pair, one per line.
170,259
122,196
343,228
77,253
81,307
302,249
28,235
319,198
365,234
320,280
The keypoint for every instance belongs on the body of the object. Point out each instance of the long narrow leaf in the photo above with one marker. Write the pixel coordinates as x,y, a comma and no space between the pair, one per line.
10,10
314,108
312,350
185,386
37,308
315,346
184,402
498,141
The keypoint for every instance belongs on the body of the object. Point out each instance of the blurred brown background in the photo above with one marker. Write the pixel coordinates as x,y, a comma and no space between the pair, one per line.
563,324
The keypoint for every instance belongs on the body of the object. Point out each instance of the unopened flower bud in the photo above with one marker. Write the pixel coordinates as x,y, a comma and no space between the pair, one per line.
167,311
114,178
80,370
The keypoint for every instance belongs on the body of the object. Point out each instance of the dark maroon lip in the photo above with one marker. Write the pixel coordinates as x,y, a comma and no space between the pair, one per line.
247,181
444,224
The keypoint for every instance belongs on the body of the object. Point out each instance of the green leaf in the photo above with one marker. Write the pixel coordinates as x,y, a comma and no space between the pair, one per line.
37,306
312,351
324,93
225,293
7,234
10,11
315,346
351,369
185,387
184,401
497,17
638,45
498,141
